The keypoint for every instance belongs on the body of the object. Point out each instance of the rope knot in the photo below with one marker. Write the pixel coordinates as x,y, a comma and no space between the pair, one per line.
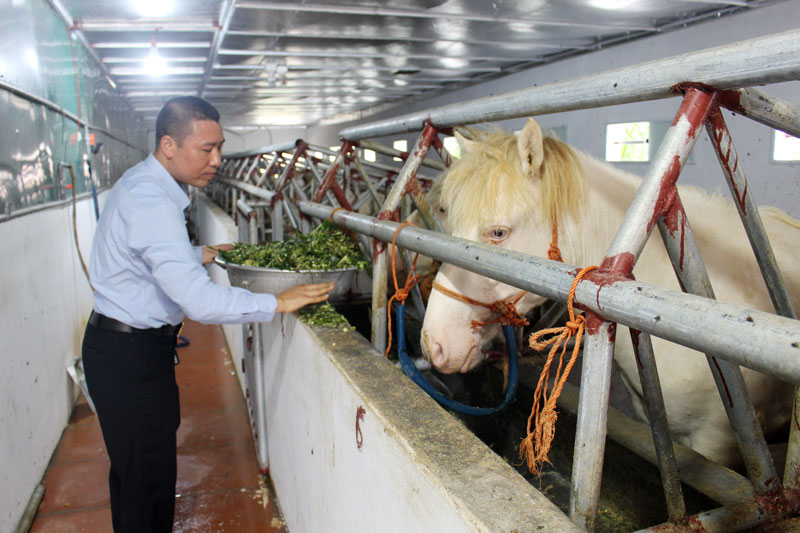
572,326
543,415
507,313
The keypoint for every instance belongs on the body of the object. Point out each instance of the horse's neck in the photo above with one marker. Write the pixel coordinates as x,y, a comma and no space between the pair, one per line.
610,191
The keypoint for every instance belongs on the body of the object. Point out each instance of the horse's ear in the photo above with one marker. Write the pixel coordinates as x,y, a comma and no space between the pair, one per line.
465,144
531,149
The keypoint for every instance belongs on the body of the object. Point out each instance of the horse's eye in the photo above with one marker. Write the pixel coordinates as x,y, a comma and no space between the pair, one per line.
498,234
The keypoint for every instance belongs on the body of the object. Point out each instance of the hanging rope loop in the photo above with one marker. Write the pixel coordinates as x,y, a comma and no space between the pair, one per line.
400,293
541,426
554,252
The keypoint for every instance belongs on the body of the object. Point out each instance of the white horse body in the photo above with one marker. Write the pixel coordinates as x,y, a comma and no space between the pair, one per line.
695,412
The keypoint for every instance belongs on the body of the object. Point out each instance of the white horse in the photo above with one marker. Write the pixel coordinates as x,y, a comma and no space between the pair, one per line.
507,191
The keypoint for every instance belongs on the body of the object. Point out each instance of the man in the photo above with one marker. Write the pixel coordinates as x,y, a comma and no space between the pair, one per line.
147,276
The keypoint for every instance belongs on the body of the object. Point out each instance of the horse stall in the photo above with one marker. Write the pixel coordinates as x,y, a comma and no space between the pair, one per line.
365,449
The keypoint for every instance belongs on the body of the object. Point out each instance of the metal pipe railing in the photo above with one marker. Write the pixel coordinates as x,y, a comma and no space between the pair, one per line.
762,341
757,61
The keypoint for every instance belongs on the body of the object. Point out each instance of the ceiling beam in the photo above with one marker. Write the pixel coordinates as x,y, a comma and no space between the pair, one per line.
427,14
226,14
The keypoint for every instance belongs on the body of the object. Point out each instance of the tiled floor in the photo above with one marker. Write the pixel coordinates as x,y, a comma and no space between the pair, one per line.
219,486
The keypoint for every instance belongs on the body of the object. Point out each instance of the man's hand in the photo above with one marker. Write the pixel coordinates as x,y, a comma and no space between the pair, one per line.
300,295
210,252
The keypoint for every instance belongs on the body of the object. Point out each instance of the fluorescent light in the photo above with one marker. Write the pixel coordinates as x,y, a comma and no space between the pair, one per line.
154,64
153,8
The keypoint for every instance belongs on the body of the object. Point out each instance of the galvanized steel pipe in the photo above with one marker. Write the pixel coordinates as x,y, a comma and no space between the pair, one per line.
759,61
762,341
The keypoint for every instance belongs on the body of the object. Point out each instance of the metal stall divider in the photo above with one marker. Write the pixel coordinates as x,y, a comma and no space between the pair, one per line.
768,59
717,76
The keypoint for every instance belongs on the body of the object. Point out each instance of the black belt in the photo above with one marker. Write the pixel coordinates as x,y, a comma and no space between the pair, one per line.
104,322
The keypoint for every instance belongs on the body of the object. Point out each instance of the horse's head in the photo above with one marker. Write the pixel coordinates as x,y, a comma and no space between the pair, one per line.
505,191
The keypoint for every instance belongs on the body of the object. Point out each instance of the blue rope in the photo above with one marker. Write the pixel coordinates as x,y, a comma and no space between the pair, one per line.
416,376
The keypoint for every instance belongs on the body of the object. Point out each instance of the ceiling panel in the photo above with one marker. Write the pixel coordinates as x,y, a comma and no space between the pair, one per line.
300,62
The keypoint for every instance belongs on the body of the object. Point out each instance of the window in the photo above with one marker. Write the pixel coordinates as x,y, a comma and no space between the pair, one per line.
785,147
628,141
400,145
369,155
452,146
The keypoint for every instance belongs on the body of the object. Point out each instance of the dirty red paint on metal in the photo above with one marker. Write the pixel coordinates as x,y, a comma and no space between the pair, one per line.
611,270
695,108
620,264
732,99
329,181
729,159
594,322
724,383
667,192
635,334
413,187
299,151
378,246
686,86
674,219
330,176
360,412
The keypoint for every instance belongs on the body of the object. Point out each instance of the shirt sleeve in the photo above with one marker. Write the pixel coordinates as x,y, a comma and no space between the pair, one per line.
158,235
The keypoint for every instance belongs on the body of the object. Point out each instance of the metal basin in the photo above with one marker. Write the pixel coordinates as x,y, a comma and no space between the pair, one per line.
274,281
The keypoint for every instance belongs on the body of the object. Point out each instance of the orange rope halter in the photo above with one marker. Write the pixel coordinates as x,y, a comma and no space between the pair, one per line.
400,294
536,444
506,310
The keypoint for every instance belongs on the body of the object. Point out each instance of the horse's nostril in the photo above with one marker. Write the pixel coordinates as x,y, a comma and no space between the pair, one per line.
437,355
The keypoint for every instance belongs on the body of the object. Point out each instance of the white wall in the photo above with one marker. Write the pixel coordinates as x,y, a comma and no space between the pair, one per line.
46,302
770,183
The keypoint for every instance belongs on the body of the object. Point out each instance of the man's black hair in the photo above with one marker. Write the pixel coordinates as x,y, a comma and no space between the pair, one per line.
176,117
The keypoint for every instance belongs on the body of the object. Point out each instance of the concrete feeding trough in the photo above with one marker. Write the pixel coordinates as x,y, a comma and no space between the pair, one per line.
355,446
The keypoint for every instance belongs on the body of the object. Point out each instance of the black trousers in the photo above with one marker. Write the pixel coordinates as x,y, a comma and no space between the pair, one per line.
131,379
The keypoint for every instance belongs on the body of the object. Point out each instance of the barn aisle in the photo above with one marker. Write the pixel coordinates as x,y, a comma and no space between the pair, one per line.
219,486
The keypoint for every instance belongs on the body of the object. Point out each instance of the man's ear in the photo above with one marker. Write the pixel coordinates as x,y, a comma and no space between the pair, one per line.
167,146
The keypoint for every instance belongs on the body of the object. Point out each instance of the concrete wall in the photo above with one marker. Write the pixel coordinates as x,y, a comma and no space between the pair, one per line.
356,446
46,302
770,183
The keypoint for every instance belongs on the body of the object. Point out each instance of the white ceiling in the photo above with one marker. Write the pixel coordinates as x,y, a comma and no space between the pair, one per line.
295,63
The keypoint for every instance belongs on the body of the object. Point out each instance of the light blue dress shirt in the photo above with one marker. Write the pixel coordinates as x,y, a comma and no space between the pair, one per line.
144,270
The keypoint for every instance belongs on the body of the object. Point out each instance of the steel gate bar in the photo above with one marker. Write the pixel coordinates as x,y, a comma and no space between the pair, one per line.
590,433
764,108
762,341
329,182
268,171
389,210
385,150
748,211
625,249
759,61
692,274
657,418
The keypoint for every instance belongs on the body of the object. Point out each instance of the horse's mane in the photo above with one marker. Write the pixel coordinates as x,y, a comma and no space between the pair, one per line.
488,179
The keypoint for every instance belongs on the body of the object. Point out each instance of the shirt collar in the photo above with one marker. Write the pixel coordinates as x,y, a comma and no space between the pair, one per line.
173,188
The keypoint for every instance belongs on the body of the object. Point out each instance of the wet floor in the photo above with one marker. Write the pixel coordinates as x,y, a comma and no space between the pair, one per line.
219,488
